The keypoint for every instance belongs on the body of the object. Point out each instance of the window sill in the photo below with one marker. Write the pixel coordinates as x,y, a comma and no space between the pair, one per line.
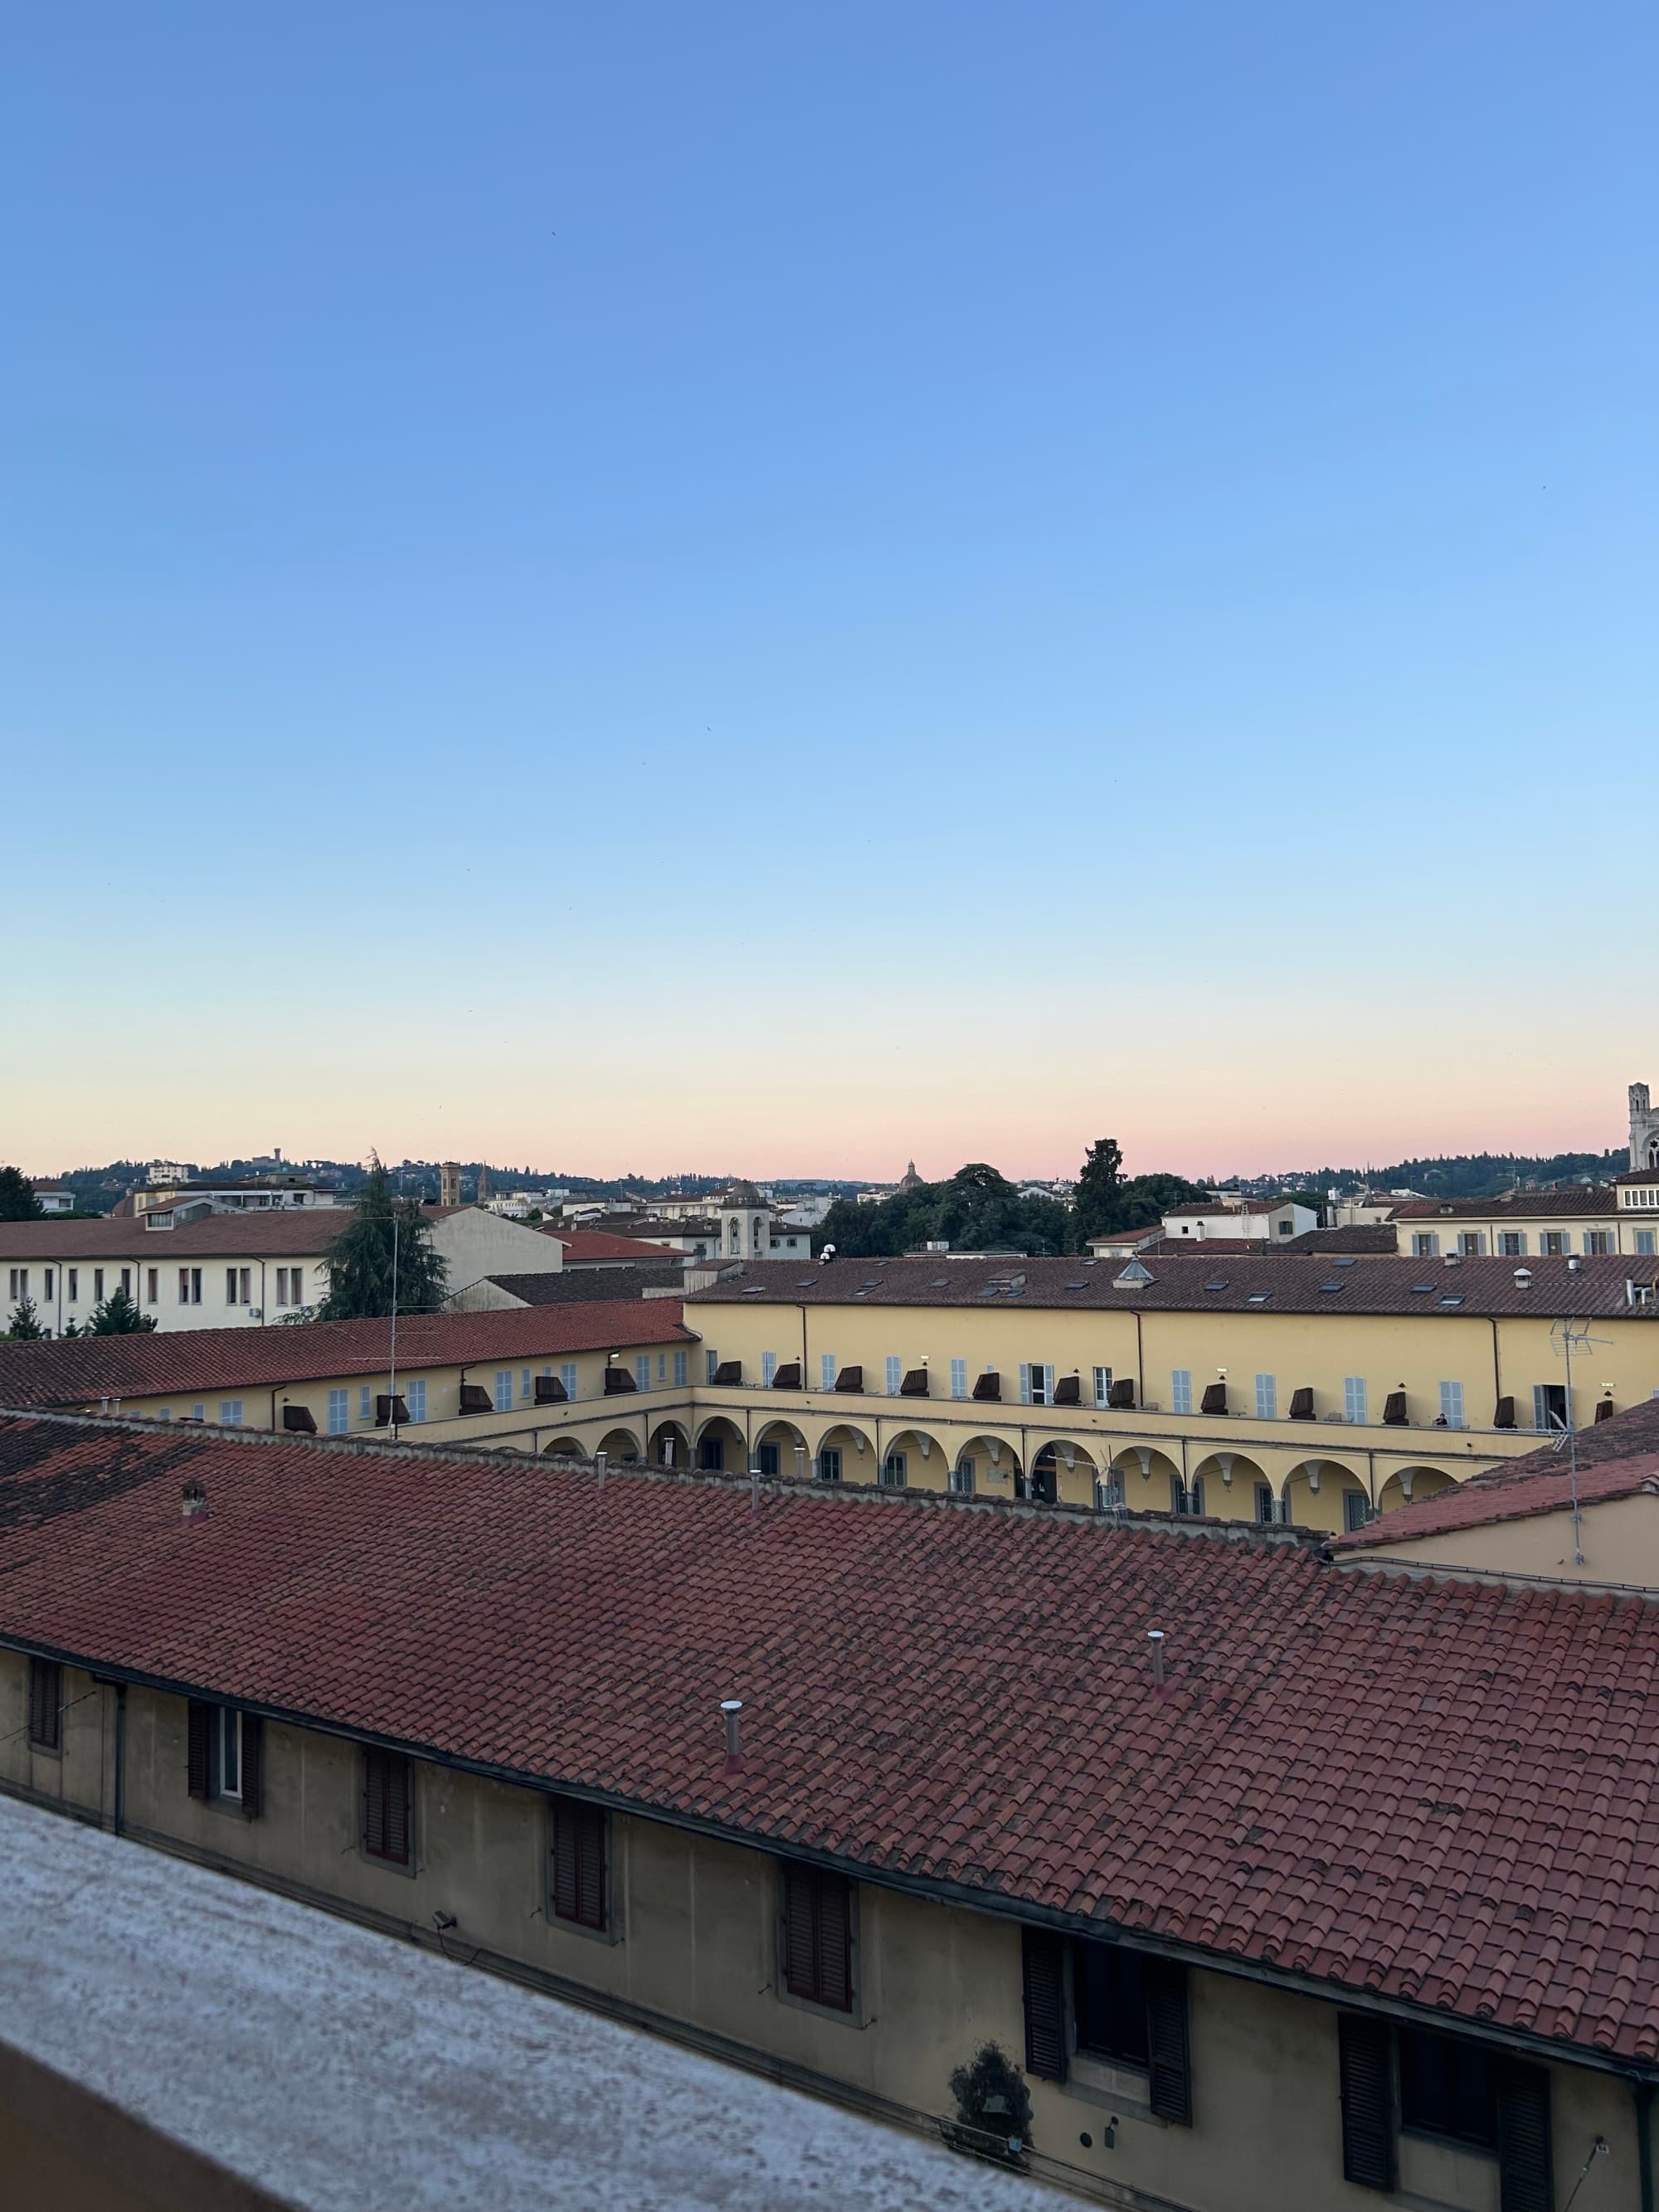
1126,2089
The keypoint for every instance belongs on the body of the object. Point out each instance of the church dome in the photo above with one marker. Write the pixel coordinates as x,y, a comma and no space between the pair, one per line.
743,1194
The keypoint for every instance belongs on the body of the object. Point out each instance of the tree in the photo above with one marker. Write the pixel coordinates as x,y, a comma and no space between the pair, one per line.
18,1200
360,1260
118,1316
1097,1189
25,1324
978,1210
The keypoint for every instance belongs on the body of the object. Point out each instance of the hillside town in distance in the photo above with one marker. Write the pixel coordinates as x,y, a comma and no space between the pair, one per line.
1126,1686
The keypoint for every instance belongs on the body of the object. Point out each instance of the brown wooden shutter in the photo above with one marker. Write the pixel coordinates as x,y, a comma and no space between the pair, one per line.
386,1806
590,1866
1044,1964
566,1887
1169,2091
1523,2138
1367,2093
45,1705
253,1765
198,1753
834,1940
800,1944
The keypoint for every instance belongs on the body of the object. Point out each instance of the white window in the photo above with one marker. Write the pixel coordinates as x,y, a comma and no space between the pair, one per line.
1267,1397
958,1379
962,1478
230,1412
526,1387
642,1371
414,1399
1036,1384
1267,1505
826,1371
1103,1386
1644,1243
198,1413
1451,1404
339,1411
894,1376
1356,1509
768,1369
503,1389
1354,1398
892,1471
680,1371
712,1359
190,1286
238,1286
567,1376
662,1367
1180,1390
365,1401
226,1743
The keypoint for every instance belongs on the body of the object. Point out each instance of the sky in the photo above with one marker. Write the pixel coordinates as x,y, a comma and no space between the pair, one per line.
777,590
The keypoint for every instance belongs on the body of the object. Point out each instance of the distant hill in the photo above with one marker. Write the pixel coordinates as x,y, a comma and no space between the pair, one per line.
1454,1175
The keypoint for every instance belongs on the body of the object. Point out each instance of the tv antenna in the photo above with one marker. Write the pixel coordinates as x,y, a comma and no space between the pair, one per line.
1570,1339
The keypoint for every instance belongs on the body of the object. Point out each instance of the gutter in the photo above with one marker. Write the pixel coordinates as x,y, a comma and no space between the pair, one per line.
933,1891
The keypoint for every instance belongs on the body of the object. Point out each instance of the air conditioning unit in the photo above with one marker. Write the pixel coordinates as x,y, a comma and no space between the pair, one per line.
256,1313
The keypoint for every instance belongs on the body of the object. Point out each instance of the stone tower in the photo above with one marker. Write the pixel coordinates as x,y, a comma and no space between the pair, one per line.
449,1183
484,1184
1644,1129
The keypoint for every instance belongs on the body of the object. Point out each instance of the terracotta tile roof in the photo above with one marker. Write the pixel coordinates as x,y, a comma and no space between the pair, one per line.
1357,1236
570,1285
78,1371
1577,1201
1260,1280
1638,1175
1444,1792
272,1232
581,1244
1617,1458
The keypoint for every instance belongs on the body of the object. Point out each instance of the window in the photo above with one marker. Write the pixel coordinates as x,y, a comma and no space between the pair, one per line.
680,1371
1425,1244
190,1286
503,1389
152,1284
230,1412
414,1399
1186,1498
49,1282
578,1890
339,1411
662,1367
958,1379
239,1287
1451,1404
892,1471
1356,1509
1513,1244
826,1371
98,1285
766,1459
1180,1390
387,1791
1446,2088
1036,1384
228,1752
366,1401
1549,1404
17,1284
769,1368
1111,1995
225,1756
1265,1503
1353,1399
45,1705
830,1463
1553,1243
1103,1386
1598,1242
894,1376
1645,1242
1472,1242
567,1376
526,1385
962,1478
816,1936
1267,1397
641,1371
711,1453
73,1275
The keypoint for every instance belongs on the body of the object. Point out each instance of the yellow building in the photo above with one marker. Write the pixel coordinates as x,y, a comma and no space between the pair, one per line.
1298,1901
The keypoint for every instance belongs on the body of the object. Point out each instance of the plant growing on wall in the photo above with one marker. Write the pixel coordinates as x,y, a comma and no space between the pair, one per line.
992,2102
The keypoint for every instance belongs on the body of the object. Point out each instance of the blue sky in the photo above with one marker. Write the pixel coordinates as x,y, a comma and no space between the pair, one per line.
780,588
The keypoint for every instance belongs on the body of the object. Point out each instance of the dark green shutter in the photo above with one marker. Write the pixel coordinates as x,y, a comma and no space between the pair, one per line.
1044,1967
198,1766
1363,2049
1169,2091
1523,2138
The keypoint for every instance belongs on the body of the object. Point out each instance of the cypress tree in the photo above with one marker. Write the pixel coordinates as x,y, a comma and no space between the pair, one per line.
360,1260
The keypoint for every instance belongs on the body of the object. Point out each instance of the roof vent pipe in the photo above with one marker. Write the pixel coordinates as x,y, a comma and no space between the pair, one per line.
1572,1263
735,1761
193,1498
1155,1638
1523,1278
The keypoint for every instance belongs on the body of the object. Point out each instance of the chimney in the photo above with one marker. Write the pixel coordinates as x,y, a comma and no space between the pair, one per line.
1572,1263
735,1761
1155,1638
194,1498
1523,1278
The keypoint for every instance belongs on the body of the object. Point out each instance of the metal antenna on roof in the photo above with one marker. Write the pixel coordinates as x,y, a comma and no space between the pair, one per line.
1567,1337
392,1384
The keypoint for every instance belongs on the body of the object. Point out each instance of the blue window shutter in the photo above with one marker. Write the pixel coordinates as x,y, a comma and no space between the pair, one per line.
1024,1382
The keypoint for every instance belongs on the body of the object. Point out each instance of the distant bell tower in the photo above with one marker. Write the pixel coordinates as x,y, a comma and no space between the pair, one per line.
484,1184
1644,1129
449,1183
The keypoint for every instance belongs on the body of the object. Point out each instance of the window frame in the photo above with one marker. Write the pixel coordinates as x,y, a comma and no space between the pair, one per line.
371,1753
852,2013
584,1815
1412,2043
1181,1389
45,1704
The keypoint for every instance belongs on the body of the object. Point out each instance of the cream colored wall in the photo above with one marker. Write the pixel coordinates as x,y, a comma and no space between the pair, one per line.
1449,1228
694,1950
1619,1540
475,1243
164,1310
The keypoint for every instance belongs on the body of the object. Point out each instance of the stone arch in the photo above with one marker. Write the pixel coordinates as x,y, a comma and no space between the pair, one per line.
1228,1485
913,1459
670,1445
620,1446
1143,1478
992,1464
774,1448
720,1445
1408,1485
1064,1470
846,1453
1316,1493
565,1448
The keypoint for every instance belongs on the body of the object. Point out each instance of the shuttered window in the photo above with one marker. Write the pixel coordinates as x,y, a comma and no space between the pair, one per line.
1043,1963
1367,2096
577,1856
45,1705
386,1783
817,1936
1169,2086
1111,1995
1523,2138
